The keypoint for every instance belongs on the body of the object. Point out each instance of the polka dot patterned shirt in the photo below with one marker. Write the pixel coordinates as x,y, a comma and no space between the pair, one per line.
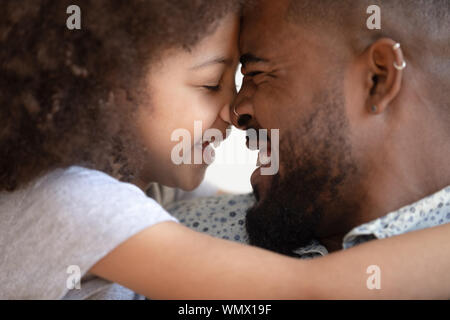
224,217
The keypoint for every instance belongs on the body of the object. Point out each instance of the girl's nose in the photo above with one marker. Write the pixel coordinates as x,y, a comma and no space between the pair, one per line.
225,114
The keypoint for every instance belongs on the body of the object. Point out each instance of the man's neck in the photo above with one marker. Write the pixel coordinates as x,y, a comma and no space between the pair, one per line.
403,180
399,182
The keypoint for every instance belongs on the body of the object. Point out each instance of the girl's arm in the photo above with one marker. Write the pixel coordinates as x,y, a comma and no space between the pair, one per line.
169,261
415,265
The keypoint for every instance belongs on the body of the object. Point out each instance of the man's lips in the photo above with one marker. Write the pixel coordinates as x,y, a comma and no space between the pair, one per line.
256,144
261,142
264,160
264,147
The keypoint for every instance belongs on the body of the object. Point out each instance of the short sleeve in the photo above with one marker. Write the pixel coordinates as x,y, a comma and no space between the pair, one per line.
69,219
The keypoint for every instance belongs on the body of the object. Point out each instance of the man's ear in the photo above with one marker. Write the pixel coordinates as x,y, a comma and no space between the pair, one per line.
385,64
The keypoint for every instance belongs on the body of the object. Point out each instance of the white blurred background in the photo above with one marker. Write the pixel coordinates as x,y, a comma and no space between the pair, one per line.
234,164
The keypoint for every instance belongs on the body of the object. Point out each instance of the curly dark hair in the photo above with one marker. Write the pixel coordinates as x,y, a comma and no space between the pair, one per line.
56,103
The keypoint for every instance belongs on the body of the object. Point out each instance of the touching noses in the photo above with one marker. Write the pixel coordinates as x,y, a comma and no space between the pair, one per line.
241,111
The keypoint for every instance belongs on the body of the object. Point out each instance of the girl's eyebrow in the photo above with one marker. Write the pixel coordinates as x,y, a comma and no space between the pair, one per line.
217,60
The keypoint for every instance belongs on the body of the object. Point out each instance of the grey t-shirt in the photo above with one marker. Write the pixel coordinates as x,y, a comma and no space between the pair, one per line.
53,230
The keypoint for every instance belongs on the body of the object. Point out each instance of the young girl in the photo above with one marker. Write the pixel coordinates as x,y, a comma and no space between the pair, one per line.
87,115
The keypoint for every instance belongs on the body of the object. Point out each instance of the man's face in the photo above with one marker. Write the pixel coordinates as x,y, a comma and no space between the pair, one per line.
291,84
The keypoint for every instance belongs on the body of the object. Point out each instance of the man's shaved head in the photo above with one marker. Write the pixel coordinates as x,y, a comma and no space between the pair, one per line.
428,17
421,26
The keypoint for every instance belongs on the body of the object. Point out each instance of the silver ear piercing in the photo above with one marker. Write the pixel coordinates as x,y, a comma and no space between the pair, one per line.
396,46
400,68
403,65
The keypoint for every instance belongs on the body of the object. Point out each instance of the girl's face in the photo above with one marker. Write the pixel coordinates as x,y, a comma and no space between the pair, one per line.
185,87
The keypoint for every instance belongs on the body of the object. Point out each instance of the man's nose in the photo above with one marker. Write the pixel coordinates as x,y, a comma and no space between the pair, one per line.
242,111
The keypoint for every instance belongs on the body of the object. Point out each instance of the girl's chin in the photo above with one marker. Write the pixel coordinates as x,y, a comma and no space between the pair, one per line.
192,178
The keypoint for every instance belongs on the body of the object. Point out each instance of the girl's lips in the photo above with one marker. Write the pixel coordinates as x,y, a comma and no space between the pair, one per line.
207,152
205,145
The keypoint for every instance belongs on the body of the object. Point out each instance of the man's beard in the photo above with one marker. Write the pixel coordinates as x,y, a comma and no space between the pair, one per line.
317,161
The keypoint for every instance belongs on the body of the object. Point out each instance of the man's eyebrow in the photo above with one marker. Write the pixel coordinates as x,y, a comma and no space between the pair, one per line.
217,60
250,58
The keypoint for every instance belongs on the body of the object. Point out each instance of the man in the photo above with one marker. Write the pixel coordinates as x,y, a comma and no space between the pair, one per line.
364,119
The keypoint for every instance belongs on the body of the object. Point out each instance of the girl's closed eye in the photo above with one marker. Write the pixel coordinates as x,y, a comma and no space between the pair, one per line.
213,88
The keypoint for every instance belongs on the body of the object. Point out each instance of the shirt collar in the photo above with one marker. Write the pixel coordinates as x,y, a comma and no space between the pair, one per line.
429,212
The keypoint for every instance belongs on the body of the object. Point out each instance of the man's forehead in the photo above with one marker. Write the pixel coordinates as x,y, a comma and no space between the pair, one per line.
263,25
266,7
261,21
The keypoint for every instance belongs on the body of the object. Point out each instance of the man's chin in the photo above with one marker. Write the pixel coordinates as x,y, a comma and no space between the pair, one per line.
285,216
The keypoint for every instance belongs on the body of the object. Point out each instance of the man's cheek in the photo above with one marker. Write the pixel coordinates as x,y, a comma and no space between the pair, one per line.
268,111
